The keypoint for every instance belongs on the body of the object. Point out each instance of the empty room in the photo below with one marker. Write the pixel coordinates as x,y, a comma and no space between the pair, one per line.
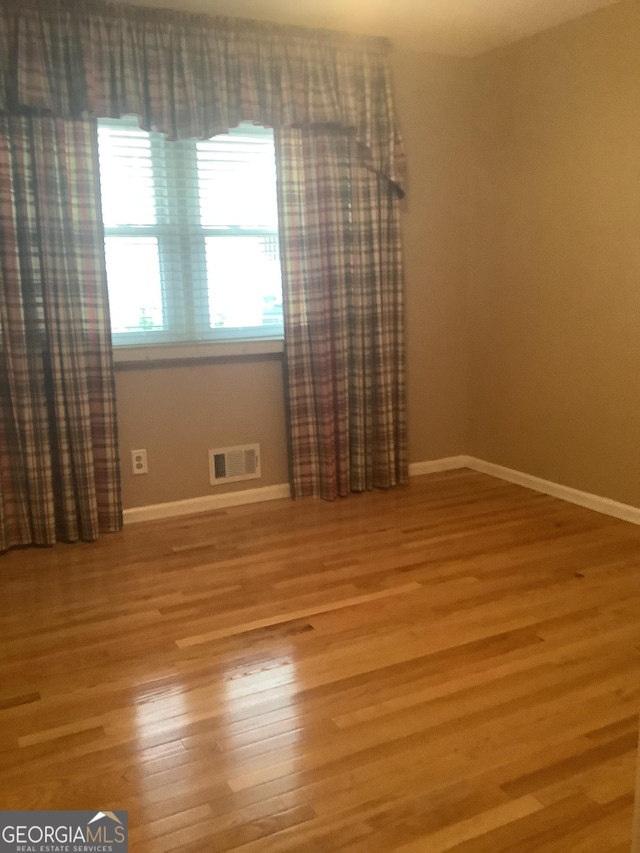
319,426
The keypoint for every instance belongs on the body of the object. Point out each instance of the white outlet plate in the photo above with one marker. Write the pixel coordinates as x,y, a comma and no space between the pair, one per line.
139,462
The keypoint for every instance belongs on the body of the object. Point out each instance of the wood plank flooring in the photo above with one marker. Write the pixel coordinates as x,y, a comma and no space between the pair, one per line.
453,665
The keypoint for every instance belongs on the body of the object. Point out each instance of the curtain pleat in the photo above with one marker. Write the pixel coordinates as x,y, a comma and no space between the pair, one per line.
343,307
59,477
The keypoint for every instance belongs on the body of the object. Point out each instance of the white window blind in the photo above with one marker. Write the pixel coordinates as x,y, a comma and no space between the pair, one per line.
191,235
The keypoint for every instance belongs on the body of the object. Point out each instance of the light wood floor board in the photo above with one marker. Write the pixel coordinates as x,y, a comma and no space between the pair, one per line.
449,666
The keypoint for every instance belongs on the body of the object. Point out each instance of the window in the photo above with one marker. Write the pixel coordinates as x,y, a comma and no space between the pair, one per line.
191,235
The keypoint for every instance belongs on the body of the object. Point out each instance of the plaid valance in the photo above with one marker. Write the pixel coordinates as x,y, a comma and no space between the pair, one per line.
193,76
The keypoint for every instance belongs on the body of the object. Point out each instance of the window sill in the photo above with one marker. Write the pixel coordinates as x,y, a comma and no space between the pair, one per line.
124,356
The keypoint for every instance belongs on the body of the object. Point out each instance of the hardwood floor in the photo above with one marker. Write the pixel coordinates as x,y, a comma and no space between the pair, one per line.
454,665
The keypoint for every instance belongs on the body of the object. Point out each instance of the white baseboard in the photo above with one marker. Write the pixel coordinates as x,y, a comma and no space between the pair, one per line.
432,466
626,512
606,506
206,503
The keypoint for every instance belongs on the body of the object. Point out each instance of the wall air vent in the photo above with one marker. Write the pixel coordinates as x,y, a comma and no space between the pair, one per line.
230,464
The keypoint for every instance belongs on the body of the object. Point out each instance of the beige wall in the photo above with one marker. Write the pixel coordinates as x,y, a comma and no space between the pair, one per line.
555,272
433,99
177,413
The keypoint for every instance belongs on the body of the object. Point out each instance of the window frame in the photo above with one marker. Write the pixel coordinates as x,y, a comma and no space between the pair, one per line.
188,333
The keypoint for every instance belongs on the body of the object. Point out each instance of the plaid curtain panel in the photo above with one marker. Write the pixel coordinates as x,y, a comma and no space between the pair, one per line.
59,475
343,305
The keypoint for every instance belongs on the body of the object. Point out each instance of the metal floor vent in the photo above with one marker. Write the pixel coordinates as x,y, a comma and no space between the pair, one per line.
229,464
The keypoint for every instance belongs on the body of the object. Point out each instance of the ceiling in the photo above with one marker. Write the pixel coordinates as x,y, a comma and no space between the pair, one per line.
455,27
